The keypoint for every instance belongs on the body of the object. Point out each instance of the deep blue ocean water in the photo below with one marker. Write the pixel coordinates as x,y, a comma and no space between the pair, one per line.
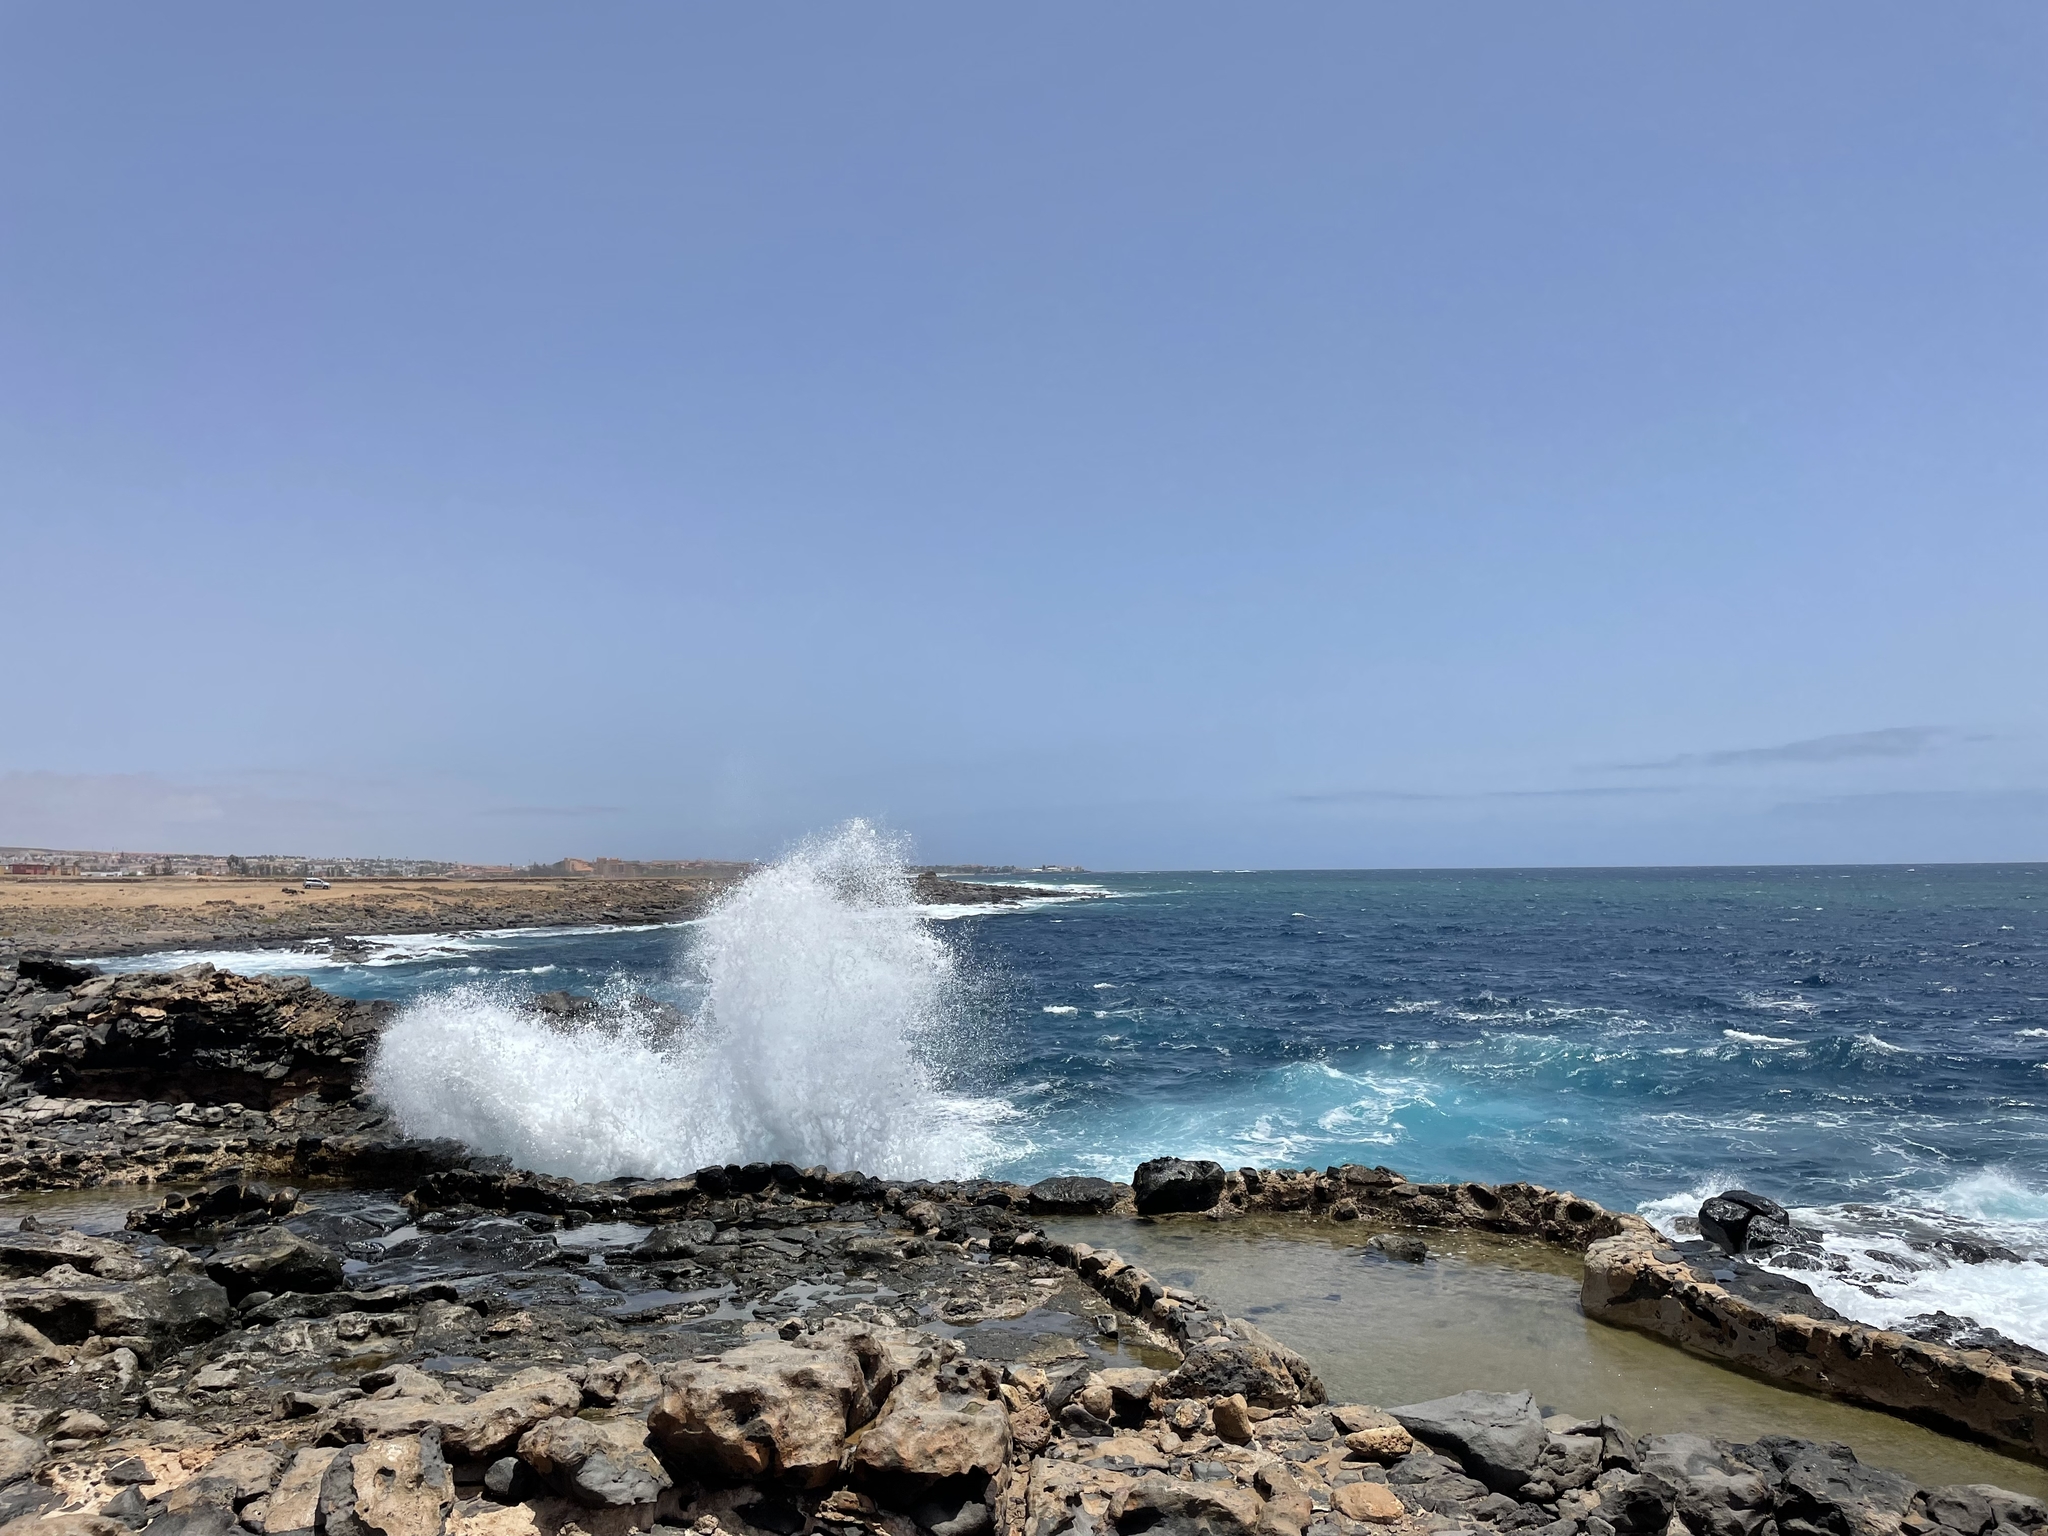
1871,1042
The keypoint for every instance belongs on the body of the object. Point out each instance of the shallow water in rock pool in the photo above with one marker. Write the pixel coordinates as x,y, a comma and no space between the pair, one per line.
1500,1315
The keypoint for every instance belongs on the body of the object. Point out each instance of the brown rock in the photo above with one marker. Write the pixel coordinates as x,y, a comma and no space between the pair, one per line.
929,1431
387,1488
773,1409
1231,1420
1368,1501
292,1506
475,1431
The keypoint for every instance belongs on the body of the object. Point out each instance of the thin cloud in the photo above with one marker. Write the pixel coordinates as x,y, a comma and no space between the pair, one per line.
1894,741
552,811
1596,791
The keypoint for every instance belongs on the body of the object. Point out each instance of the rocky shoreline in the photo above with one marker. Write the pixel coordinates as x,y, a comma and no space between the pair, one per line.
417,1341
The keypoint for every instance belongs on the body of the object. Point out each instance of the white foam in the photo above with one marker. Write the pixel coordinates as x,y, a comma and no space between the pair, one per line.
1882,1263
1059,1008
826,1002
1745,1038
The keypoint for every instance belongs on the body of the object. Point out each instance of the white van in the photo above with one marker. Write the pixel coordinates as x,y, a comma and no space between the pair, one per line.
315,883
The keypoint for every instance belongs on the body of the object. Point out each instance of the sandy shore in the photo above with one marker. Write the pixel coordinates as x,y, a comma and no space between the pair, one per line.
111,917
125,917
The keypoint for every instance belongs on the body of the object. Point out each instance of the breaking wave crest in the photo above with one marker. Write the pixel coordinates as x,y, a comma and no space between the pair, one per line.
827,1006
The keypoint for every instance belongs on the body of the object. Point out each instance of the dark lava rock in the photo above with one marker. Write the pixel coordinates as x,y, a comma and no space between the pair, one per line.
272,1259
1497,1435
1727,1221
225,1205
50,972
674,1240
1967,1333
1168,1184
1073,1194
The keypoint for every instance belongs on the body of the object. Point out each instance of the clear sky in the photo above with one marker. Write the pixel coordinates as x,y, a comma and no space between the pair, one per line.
1149,435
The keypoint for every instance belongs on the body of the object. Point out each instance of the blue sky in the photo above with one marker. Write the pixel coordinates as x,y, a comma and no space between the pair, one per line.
1146,436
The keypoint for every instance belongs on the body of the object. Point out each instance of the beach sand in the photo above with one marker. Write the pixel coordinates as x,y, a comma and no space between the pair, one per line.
75,916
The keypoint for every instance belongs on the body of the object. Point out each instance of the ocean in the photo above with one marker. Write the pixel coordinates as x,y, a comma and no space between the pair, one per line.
1868,1045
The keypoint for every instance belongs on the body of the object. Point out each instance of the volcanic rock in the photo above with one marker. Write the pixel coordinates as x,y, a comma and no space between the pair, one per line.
600,1464
1074,1194
1497,1435
272,1259
1169,1184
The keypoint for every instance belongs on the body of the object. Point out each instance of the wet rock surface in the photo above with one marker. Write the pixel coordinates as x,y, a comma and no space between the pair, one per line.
468,1349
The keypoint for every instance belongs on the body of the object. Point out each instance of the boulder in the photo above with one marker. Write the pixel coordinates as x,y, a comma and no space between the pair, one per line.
674,1240
1073,1194
296,1499
67,1307
1174,1507
1499,1436
1168,1184
480,1430
1974,1508
1245,1361
1374,1502
272,1259
19,1455
1727,1221
601,1464
777,1410
35,1253
941,1425
624,1382
52,974
397,1487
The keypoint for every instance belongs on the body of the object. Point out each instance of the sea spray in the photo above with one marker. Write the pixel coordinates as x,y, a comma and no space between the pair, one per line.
826,1002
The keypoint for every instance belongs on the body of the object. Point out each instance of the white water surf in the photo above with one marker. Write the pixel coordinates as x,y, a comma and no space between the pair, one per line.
827,1002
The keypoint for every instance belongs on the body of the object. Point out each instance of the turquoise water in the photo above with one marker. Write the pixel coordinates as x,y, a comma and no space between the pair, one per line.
1868,1044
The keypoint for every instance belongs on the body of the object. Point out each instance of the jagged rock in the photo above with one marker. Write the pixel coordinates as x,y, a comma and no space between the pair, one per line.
397,1487
35,1253
1974,1508
201,1035
230,1204
1174,1507
481,1430
1639,1504
49,972
1248,1362
1568,1461
1168,1184
946,1424
600,1464
297,1497
769,1410
272,1259
1073,1194
19,1455
674,1240
1497,1435
1826,1487
625,1382
67,1307
1727,1221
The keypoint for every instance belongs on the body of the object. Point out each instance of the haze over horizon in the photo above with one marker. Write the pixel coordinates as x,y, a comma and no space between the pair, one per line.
1164,438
